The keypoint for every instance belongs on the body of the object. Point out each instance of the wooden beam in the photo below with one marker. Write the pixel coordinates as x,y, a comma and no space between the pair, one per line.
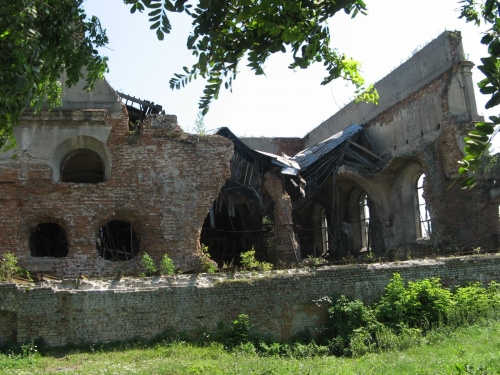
367,151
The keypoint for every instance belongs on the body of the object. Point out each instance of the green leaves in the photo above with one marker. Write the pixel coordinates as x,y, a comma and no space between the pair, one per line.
33,56
478,140
157,13
226,31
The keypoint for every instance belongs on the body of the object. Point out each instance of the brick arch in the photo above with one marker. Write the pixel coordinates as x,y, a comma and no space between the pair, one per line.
81,142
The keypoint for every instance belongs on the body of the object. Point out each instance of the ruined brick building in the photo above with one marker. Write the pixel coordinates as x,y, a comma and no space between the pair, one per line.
82,193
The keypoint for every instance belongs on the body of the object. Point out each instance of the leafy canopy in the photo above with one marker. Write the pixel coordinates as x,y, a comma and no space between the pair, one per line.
227,31
39,39
477,140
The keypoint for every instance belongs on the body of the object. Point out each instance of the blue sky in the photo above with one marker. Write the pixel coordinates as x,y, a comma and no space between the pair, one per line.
284,102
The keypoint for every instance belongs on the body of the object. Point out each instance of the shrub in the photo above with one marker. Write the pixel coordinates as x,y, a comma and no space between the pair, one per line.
392,306
351,327
167,265
239,332
473,302
420,305
206,264
347,315
248,262
148,264
9,267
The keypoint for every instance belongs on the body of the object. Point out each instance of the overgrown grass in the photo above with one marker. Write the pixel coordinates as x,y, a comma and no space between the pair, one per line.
472,350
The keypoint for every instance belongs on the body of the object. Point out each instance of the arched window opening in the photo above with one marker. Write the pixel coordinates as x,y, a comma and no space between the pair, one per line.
364,218
116,241
82,166
324,231
223,232
48,240
424,217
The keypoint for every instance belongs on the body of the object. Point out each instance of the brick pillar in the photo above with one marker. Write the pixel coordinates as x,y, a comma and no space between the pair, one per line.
286,248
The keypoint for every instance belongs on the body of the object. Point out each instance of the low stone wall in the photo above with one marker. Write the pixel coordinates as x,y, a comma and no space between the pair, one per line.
279,303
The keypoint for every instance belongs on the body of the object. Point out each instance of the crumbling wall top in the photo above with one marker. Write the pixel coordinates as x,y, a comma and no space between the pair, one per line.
432,61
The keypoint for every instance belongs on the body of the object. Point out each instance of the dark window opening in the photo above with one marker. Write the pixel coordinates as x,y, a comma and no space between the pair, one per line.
225,239
116,241
82,166
268,234
49,240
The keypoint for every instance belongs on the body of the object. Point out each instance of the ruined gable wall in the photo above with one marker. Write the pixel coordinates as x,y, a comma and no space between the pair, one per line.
280,306
163,183
427,105
434,60
427,128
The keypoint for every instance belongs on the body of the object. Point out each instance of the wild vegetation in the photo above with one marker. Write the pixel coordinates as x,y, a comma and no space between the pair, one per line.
10,269
432,329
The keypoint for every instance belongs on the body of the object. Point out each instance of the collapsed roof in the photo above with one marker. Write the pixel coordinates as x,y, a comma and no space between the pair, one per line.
305,172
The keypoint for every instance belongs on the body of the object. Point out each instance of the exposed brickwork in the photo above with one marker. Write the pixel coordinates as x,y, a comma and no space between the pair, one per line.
432,136
286,250
162,181
280,306
289,146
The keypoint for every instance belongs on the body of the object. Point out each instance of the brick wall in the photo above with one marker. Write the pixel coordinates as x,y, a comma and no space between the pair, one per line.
289,146
278,303
162,182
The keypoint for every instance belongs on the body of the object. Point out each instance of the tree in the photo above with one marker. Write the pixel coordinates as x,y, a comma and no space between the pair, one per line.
227,31
39,39
478,140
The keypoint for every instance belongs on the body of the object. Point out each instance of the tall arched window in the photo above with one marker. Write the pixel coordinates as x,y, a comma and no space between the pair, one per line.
424,218
324,231
364,218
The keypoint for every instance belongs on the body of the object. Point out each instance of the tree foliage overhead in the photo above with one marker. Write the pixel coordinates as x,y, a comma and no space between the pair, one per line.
478,140
39,40
227,31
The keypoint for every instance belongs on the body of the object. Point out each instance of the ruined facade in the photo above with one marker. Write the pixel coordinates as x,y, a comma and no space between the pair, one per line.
372,178
86,191
82,194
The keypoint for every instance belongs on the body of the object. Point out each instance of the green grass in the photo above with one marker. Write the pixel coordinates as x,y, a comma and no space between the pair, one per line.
476,349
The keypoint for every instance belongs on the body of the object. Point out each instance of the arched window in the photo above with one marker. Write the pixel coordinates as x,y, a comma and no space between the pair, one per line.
364,218
48,240
117,241
82,166
424,218
324,231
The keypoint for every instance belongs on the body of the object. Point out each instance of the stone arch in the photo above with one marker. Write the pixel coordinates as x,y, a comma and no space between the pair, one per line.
351,187
222,230
355,217
312,234
79,145
408,212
